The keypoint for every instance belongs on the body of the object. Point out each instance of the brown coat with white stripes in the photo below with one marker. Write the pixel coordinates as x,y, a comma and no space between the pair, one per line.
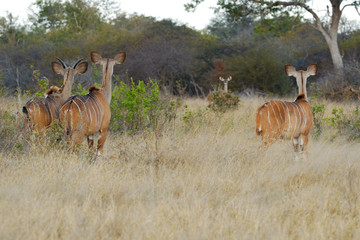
291,120
89,114
40,112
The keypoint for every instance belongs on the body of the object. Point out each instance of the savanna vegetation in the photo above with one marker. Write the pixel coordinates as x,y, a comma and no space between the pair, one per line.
175,167
198,175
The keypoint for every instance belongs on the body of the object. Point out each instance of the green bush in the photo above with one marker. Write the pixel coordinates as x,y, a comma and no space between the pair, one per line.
139,107
347,125
11,136
318,111
41,81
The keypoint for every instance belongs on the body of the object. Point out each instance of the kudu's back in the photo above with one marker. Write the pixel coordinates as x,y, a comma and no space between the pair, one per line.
40,112
291,120
284,119
84,115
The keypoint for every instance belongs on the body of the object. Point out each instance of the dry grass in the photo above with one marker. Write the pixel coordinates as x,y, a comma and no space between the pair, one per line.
201,180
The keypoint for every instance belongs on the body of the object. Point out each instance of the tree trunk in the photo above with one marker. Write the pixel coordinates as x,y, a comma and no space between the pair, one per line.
335,54
330,34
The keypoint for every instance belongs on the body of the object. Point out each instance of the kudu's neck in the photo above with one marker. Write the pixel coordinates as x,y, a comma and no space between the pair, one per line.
66,89
106,80
225,87
302,84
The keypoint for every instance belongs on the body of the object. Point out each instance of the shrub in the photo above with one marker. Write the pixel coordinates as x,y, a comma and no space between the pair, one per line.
222,101
41,81
80,90
347,125
10,132
139,107
318,111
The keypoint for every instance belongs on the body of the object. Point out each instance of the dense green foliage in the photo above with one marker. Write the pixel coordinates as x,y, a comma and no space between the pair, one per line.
139,107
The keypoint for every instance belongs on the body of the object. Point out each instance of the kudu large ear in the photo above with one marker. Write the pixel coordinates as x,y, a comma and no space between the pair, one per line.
95,57
53,90
221,79
81,67
290,70
57,68
120,57
311,70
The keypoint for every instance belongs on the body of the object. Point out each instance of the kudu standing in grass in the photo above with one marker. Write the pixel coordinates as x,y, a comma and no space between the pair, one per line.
210,97
291,120
40,112
86,115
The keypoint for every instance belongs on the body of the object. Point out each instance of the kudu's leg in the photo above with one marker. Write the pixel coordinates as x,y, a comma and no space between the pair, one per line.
297,146
304,139
90,140
101,141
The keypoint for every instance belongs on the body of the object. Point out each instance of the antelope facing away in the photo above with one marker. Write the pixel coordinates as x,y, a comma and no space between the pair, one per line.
86,115
210,97
40,112
291,120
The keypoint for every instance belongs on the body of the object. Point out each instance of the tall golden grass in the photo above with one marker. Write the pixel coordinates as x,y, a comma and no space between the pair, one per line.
203,178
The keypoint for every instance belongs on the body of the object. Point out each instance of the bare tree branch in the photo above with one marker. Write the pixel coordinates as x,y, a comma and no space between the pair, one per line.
351,4
319,25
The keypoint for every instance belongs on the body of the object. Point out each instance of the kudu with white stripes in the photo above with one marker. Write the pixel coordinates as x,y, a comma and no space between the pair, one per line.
291,120
86,115
40,112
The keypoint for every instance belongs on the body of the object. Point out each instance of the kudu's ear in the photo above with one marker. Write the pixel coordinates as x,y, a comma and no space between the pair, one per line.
290,70
81,67
57,68
120,57
221,79
95,57
53,90
312,70
229,78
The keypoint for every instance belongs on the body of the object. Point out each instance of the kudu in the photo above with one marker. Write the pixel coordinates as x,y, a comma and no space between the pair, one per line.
291,120
210,97
40,112
86,115
226,81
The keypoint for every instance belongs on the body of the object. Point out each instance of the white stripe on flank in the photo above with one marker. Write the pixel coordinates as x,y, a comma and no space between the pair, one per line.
277,121
100,109
71,119
282,119
288,112
296,119
84,109
300,121
96,109
284,110
91,103
268,115
305,118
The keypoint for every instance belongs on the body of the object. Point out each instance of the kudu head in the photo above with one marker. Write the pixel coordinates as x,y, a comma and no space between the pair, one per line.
225,82
69,72
108,69
301,76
